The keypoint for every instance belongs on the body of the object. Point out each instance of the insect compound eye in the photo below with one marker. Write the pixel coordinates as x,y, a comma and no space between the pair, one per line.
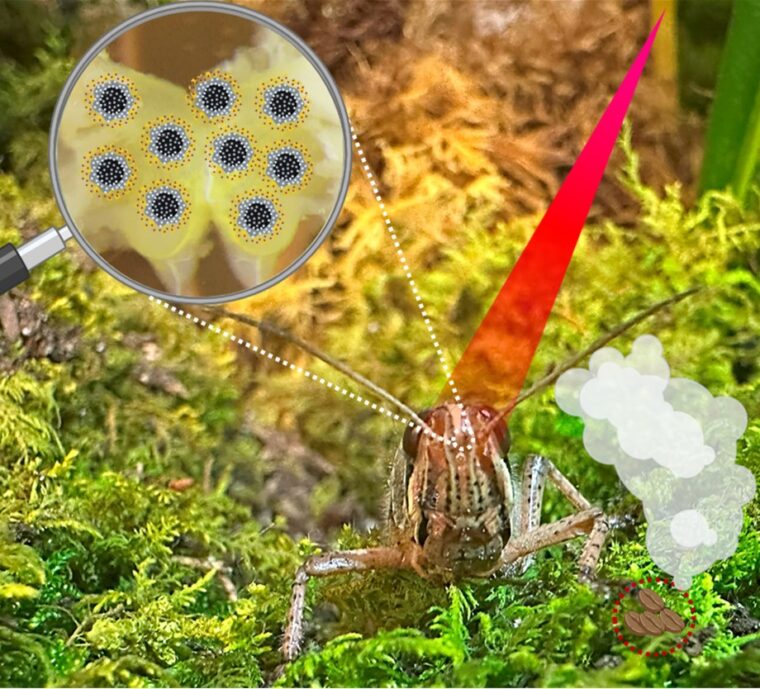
257,217
215,95
283,102
108,171
500,429
411,440
232,153
287,167
165,206
113,100
168,142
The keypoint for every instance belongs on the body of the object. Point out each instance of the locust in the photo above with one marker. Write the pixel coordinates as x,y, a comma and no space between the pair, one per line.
454,509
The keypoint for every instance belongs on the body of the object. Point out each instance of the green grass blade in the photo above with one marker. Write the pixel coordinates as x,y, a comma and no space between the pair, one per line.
734,129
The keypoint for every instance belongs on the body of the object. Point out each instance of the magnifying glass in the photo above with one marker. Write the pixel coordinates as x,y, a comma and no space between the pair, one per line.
200,152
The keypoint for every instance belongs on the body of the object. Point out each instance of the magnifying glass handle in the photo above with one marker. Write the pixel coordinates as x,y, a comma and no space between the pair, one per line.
15,263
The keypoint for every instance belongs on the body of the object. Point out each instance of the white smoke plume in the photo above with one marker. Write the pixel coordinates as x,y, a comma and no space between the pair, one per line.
674,447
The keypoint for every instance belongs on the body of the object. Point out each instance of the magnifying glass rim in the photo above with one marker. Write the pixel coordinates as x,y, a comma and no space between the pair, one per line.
201,6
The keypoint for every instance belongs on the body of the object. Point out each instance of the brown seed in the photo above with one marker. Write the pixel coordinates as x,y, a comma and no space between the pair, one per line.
632,620
652,623
671,620
651,600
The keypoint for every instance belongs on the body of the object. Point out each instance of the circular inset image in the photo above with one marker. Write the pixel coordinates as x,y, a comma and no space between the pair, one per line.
200,152
651,617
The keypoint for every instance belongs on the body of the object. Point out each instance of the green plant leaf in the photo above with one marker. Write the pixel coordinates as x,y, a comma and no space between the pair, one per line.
733,136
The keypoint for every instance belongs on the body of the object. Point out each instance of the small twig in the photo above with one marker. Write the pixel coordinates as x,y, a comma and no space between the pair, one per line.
207,466
9,319
87,622
211,564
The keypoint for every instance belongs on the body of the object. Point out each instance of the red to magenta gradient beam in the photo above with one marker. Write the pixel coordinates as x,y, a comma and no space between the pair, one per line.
494,366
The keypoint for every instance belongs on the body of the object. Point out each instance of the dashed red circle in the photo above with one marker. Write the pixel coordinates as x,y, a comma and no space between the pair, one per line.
616,628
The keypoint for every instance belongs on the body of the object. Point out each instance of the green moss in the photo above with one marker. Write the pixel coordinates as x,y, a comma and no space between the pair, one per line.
102,577
111,573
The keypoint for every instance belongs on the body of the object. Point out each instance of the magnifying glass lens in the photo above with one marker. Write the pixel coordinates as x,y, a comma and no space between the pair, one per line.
200,152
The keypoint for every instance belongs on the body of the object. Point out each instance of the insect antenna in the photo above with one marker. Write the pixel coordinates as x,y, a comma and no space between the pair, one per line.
334,363
566,365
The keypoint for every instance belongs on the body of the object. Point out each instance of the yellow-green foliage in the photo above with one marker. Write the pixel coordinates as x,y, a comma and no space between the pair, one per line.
114,572
104,574
108,575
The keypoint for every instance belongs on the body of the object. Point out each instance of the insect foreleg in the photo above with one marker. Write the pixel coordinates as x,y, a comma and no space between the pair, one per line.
328,564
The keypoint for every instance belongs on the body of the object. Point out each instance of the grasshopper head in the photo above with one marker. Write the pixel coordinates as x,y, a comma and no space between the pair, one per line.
459,494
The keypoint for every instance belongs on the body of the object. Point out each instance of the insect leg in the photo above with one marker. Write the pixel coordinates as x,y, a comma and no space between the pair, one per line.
592,549
328,564
527,506
578,524
532,484
588,520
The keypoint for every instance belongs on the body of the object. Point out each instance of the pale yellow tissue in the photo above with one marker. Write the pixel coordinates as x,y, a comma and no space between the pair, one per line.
318,135
118,221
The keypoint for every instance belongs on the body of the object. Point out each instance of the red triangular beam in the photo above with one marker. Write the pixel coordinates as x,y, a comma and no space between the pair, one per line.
494,366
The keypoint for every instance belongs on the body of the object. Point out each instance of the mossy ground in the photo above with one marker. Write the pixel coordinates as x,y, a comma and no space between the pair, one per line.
149,469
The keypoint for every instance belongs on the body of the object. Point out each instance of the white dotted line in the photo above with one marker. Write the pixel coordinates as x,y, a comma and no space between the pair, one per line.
410,278
302,371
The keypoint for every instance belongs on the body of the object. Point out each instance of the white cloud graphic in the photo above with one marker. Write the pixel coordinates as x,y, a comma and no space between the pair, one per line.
674,447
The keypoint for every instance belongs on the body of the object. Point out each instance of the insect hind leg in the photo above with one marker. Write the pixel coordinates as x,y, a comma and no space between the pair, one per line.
592,548
527,506
531,536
